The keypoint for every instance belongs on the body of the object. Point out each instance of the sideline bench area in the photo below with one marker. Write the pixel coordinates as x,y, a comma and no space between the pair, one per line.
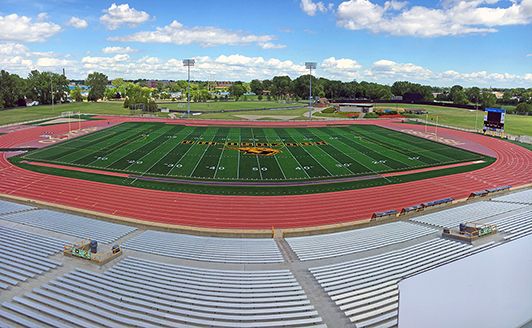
470,212
354,241
24,255
73,225
211,249
144,293
366,290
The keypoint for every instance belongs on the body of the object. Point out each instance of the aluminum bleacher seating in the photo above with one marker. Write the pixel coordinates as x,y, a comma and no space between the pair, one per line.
366,289
138,292
467,213
517,225
74,225
25,254
9,207
353,241
522,197
230,250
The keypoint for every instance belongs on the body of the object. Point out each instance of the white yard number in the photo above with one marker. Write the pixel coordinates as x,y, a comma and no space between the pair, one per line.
262,168
99,158
306,168
132,161
379,162
413,158
344,165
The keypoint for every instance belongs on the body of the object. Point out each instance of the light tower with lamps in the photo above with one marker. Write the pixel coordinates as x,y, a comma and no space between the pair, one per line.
188,63
310,65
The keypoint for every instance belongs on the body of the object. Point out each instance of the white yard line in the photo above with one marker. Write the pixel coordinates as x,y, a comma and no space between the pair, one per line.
202,155
303,147
295,159
176,163
280,168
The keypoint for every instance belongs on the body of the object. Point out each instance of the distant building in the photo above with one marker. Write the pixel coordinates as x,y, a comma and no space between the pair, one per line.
223,84
153,83
322,103
354,108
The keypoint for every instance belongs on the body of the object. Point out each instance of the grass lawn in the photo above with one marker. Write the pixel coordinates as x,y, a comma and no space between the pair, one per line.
515,124
464,118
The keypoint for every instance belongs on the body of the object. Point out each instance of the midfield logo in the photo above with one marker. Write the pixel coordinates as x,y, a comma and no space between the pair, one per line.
263,151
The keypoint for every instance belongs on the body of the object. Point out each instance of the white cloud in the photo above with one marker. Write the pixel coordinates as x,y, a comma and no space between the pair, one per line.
204,36
310,8
21,29
529,55
122,14
398,71
456,18
343,69
269,45
118,50
386,71
286,30
77,23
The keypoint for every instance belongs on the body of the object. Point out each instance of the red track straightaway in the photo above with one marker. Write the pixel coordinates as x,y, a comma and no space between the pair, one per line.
513,167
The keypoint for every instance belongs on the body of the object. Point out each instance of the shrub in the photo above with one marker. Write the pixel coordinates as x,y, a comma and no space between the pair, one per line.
371,115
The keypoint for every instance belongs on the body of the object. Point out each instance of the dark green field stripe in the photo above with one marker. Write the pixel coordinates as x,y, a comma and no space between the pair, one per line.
126,145
406,151
70,147
269,166
338,152
288,164
191,159
307,163
183,164
229,157
439,152
121,153
208,163
330,164
409,143
141,160
249,167
382,162
170,161
87,155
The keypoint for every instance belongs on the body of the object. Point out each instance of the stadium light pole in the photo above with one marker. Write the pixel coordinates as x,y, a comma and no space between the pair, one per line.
52,92
310,65
188,63
476,115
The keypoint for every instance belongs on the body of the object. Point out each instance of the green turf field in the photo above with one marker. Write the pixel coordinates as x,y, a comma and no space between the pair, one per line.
249,154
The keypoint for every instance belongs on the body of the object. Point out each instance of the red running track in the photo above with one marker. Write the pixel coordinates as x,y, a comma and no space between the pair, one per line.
512,167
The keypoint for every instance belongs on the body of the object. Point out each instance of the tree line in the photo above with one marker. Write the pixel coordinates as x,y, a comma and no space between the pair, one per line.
40,86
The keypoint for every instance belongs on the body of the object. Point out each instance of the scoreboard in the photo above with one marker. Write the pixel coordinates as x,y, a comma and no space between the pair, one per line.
494,119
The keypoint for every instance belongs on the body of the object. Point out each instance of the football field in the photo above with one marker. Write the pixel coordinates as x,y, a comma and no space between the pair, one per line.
224,153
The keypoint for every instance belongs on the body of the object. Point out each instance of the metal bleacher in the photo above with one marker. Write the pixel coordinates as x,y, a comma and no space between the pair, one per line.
517,225
349,242
211,249
144,293
25,254
366,290
9,207
522,197
475,211
74,225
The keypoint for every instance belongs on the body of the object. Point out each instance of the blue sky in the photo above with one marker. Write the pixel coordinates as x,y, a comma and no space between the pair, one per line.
468,42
